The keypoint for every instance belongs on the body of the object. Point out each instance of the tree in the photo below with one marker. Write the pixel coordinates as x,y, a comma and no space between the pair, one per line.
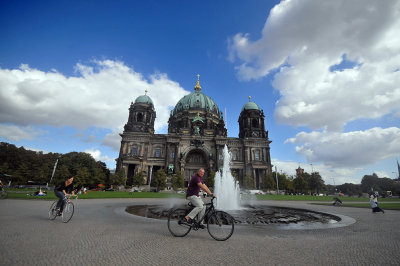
350,189
268,182
316,183
369,183
300,184
210,180
160,181
119,178
248,182
138,179
177,181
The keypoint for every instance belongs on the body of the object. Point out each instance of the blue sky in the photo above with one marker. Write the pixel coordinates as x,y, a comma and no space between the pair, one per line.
325,73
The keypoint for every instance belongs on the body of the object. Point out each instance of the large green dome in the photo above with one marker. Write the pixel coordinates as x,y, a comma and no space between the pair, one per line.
250,106
197,100
144,99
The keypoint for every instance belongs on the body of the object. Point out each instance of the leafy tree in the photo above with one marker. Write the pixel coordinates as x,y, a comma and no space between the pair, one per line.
138,179
82,178
178,181
268,182
248,182
300,184
316,184
119,178
160,181
350,189
369,183
210,180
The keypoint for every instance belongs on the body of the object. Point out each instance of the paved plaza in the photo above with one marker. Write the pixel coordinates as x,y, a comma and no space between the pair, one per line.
102,233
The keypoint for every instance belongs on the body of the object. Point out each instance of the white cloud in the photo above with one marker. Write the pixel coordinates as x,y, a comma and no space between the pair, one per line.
98,96
96,154
303,39
330,175
301,42
15,133
350,149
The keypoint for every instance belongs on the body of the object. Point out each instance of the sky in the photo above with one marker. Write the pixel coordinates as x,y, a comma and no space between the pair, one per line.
325,73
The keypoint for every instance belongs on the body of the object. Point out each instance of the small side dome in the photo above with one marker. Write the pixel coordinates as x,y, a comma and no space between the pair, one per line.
250,106
144,99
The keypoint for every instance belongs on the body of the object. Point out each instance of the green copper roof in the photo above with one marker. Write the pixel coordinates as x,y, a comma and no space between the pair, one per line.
197,100
250,106
143,99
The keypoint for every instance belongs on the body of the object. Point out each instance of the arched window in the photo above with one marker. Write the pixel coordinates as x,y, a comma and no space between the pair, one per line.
254,123
157,153
257,155
134,151
139,117
235,156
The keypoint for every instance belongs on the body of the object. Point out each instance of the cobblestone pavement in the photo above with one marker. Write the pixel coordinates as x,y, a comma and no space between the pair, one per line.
102,233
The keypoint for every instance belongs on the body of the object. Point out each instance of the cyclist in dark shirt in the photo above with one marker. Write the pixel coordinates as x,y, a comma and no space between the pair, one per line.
62,191
192,194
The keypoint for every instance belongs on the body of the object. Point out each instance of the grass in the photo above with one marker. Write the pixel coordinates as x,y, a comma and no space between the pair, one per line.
317,198
26,194
385,206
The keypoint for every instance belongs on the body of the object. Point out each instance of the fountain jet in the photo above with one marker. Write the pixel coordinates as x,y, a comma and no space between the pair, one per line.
226,188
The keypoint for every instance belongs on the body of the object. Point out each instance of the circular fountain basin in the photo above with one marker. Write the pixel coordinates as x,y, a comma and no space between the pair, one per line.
260,215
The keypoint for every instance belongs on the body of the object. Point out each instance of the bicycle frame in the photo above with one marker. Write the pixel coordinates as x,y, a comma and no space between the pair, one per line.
210,209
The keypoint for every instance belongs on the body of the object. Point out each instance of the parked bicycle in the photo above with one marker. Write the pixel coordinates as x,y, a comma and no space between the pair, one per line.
220,225
67,211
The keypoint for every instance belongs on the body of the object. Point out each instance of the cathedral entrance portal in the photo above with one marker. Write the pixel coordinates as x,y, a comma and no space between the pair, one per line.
194,161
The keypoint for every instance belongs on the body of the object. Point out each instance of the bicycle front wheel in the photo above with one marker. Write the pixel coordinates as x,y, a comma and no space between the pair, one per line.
177,224
220,225
67,212
53,211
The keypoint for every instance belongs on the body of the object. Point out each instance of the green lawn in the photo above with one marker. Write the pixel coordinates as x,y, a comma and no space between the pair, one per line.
316,198
26,194
385,206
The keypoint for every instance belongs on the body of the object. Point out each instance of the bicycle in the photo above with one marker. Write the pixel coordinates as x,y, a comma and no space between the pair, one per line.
67,212
220,225
3,194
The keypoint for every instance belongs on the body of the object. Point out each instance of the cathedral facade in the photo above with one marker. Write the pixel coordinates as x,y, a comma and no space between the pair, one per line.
196,138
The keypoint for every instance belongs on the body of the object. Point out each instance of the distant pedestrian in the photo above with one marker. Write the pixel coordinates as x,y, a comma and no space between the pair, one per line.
373,201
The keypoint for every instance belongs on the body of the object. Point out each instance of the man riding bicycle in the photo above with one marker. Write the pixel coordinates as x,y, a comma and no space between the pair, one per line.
192,194
62,191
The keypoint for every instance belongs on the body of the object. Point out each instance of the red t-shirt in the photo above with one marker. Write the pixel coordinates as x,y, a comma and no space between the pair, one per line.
194,189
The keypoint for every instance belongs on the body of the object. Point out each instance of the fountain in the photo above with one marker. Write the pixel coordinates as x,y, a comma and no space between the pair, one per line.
228,199
226,188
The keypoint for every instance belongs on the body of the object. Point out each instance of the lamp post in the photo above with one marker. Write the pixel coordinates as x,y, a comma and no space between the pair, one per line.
54,169
276,177
151,172
312,169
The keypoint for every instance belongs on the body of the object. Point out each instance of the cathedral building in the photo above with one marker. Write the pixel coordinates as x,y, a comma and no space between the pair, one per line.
196,138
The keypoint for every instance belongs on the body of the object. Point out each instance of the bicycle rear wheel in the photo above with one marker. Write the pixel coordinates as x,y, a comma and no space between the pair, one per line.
53,211
68,212
220,225
177,224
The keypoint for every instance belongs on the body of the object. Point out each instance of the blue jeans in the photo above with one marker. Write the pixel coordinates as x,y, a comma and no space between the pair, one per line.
61,200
